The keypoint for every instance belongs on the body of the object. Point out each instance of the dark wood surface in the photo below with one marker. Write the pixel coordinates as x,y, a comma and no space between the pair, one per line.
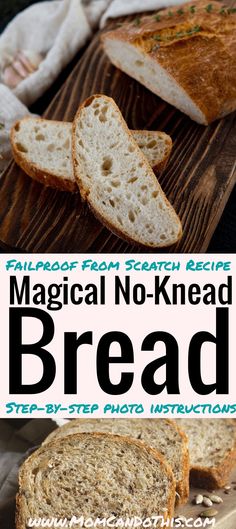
198,179
226,511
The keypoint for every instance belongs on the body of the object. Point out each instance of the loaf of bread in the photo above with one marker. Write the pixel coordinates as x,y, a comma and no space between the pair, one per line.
94,476
161,434
42,148
212,449
116,180
186,55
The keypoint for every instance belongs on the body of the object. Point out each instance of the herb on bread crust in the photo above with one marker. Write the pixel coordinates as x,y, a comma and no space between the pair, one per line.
137,21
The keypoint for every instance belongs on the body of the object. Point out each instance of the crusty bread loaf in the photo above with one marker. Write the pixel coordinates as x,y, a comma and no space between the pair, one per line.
186,55
95,476
42,148
115,178
212,449
162,434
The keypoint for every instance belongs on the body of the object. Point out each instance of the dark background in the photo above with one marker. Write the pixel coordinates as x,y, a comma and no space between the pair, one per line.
224,239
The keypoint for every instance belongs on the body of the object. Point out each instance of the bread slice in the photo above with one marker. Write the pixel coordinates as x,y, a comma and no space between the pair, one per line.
95,476
186,55
42,148
115,178
156,147
212,448
162,434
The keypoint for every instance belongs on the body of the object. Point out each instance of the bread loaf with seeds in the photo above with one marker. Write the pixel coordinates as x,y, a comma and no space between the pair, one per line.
162,434
212,450
94,476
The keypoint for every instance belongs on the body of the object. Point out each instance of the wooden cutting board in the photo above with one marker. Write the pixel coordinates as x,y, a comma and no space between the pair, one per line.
198,179
226,517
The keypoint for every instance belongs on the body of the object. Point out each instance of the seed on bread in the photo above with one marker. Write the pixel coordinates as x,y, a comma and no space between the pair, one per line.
212,447
177,496
94,475
161,434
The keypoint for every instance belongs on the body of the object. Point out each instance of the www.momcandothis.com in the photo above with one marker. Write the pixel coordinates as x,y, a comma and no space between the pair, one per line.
112,521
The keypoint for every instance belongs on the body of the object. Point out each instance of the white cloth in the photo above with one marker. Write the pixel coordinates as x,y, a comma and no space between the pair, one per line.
11,109
57,29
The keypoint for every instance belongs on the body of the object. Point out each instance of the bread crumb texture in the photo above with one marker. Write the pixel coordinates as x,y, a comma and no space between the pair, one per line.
161,434
116,179
209,440
185,54
94,475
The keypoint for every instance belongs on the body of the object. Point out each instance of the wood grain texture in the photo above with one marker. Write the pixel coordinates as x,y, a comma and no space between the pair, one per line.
226,517
198,179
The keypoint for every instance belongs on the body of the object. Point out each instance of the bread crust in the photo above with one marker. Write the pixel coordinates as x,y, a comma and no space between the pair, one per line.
121,234
23,470
182,486
197,49
85,193
46,178
214,477
55,181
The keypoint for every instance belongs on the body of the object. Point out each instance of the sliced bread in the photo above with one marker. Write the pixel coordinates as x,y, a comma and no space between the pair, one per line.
94,476
212,449
156,147
186,55
42,148
161,434
115,178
